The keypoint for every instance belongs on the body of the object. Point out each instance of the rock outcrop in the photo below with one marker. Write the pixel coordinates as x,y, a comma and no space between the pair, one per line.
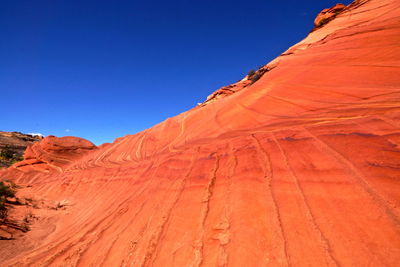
328,14
54,153
240,85
300,168
226,91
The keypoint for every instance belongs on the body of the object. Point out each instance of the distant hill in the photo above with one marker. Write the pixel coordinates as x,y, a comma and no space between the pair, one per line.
13,145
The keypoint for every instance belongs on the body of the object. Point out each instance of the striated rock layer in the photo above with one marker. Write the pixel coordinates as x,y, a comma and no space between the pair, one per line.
328,14
53,153
299,168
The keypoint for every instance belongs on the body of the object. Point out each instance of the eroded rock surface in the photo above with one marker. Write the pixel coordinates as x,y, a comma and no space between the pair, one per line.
54,153
328,14
300,168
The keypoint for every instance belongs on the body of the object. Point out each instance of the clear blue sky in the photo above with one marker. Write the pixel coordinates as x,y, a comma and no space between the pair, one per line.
103,69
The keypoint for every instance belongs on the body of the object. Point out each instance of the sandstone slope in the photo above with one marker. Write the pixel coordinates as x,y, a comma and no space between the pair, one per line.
300,168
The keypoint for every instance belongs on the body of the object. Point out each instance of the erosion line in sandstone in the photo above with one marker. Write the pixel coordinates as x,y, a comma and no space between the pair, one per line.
268,175
171,145
108,221
324,241
199,242
152,249
386,205
389,121
153,243
228,208
139,237
138,152
112,220
111,215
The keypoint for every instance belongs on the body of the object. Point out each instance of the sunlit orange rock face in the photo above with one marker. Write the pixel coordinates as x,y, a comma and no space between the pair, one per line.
53,153
300,168
328,14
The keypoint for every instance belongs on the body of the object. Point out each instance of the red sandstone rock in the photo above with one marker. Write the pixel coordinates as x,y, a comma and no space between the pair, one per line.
54,153
300,168
328,14
226,91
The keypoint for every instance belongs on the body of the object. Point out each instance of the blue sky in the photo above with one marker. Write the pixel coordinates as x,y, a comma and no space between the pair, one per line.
105,69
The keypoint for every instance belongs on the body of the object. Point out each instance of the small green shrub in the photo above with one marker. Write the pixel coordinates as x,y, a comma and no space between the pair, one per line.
256,77
8,157
6,153
6,191
251,73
